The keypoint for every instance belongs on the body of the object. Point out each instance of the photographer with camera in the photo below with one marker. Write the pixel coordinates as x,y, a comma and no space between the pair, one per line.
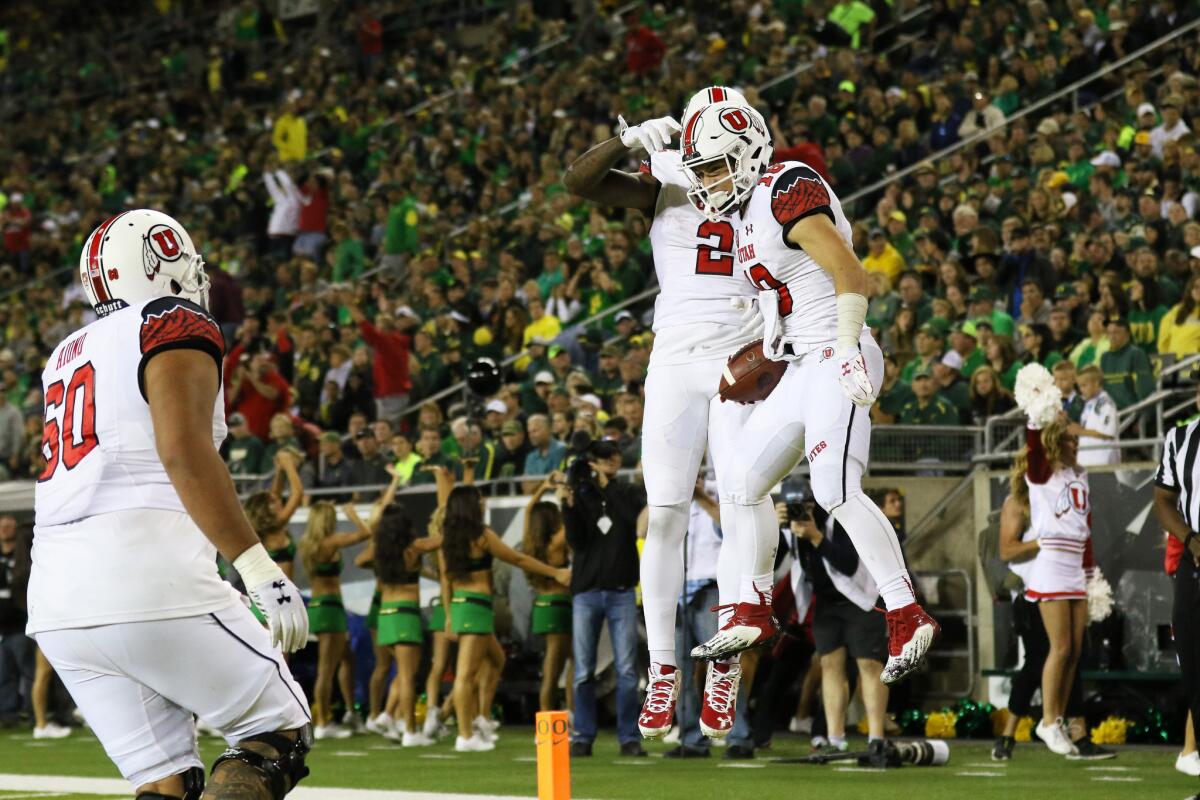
827,572
601,514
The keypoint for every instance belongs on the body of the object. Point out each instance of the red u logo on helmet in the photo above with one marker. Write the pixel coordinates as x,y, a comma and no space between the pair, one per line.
735,120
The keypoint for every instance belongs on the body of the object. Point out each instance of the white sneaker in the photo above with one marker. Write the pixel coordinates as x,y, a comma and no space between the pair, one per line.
483,729
473,745
415,740
1189,764
381,724
352,723
433,721
331,731
51,731
1055,738
800,725
673,737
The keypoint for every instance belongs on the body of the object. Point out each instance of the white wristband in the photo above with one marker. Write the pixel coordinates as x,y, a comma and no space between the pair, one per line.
851,314
256,567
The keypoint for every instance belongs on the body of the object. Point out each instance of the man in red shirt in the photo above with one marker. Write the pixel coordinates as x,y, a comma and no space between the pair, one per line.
643,49
314,215
389,374
259,392
18,228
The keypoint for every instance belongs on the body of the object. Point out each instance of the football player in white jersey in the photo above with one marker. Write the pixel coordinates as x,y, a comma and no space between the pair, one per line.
793,242
131,510
703,313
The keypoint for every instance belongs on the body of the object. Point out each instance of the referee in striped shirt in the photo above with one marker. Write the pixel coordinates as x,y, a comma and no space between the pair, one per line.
1177,506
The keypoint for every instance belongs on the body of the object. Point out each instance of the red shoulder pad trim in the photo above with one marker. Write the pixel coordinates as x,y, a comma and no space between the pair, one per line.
797,193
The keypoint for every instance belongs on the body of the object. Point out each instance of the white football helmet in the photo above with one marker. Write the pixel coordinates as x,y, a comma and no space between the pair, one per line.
137,256
711,95
735,135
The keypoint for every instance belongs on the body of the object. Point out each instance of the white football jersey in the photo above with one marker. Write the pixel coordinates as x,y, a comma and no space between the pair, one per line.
703,297
1060,510
112,542
1100,415
796,295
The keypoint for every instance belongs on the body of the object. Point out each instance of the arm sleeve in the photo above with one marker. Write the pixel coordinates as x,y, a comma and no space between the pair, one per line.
1039,470
273,186
1165,328
1107,420
838,551
1143,375
797,193
172,323
369,333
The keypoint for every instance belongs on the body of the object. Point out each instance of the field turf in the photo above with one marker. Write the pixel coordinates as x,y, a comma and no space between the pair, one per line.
370,762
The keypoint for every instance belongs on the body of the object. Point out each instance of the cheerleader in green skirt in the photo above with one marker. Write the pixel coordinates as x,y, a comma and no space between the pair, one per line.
465,560
320,548
546,540
398,568
378,720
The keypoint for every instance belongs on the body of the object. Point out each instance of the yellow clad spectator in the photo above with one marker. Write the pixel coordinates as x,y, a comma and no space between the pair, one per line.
290,135
1179,330
882,257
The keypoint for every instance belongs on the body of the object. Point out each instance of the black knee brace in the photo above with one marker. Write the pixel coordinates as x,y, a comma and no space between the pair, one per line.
193,787
281,773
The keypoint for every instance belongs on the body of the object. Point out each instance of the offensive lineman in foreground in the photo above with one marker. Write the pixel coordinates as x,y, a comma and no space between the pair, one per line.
794,244
704,312
131,509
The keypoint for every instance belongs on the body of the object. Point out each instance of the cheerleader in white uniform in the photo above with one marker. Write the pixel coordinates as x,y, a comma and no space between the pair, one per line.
1056,579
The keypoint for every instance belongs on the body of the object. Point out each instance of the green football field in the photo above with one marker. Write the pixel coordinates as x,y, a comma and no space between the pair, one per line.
76,768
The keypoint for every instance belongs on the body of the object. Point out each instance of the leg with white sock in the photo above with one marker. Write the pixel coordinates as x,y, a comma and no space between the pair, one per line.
662,578
758,549
838,439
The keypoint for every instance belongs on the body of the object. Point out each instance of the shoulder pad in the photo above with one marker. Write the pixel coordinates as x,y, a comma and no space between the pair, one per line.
171,321
798,192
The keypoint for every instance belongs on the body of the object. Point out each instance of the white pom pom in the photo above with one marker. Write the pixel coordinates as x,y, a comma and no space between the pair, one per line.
1037,395
1099,597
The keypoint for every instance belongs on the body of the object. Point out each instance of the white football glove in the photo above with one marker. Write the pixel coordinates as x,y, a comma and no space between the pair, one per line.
652,135
856,383
276,597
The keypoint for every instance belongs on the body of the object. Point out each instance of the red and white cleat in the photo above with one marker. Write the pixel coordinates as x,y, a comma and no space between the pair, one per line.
658,710
720,699
910,635
751,625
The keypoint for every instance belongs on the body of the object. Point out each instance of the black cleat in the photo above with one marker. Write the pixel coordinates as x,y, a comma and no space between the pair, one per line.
739,751
686,752
1003,748
1090,751
581,749
631,749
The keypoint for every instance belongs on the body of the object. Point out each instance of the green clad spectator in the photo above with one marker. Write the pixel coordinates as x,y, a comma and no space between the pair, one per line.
951,387
912,295
425,365
243,450
405,458
1146,311
988,396
898,235
965,353
1128,376
981,302
283,437
1035,341
927,407
1002,358
349,259
1095,345
553,273
429,450
403,219
608,381
855,18
931,342
893,395
883,302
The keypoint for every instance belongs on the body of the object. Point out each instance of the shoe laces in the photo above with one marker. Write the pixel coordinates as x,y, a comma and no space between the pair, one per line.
658,694
720,691
730,607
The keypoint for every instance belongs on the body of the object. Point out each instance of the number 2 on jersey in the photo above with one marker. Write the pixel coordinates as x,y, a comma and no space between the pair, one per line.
715,260
59,441
765,280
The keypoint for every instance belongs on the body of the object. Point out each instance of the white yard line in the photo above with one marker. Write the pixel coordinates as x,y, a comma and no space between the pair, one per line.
110,786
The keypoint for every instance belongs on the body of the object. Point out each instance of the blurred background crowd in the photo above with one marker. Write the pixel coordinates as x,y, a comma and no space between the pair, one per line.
377,192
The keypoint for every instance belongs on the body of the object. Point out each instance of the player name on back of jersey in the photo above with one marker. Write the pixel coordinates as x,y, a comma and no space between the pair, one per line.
70,351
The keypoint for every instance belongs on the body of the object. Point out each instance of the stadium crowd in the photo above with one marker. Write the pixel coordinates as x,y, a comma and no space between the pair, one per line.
368,240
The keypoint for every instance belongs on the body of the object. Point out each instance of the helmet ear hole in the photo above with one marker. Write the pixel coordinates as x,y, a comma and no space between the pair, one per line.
175,287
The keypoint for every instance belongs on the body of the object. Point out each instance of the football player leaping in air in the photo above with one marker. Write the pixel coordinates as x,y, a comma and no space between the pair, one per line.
793,243
130,512
704,312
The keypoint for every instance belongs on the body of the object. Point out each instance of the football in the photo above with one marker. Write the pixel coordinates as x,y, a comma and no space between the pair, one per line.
750,376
